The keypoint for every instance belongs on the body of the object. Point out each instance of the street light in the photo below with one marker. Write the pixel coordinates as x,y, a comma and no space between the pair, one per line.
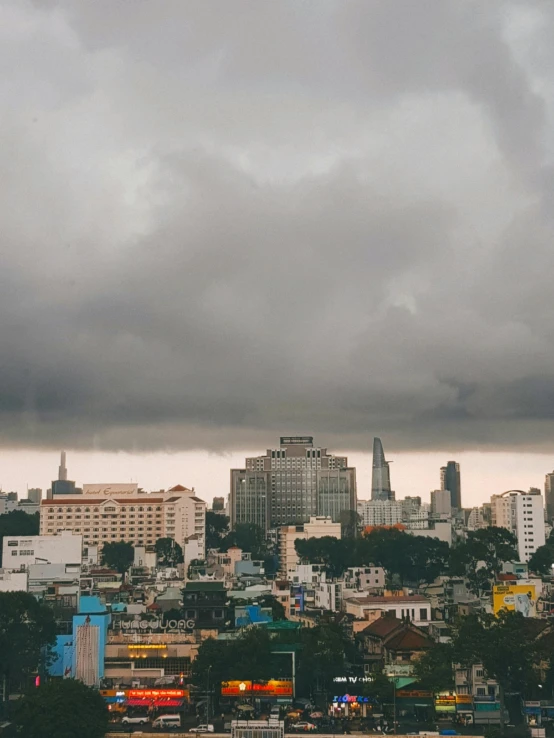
208,696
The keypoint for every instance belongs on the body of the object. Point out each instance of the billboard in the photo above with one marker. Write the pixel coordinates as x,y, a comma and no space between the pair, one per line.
108,490
247,688
519,597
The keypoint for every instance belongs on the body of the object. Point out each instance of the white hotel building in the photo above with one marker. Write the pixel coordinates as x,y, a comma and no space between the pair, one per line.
120,512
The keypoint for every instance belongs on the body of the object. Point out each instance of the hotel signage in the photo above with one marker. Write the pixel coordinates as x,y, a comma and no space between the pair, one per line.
296,440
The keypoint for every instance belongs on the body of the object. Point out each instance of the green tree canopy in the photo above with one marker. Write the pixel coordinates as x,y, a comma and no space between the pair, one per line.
433,670
248,537
168,552
62,709
481,555
542,560
118,555
18,523
27,630
246,657
217,527
325,655
406,557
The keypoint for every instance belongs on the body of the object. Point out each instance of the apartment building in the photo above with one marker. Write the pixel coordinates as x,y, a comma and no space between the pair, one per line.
109,513
287,535
523,514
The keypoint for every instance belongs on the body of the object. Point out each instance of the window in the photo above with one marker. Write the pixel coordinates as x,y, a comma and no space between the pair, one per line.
13,543
423,613
479,673
480,691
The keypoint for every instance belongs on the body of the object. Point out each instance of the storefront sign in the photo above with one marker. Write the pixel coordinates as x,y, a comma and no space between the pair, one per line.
154,694
413,693
353,680
352,698
464,699
146,646
180,626
246,688
445,703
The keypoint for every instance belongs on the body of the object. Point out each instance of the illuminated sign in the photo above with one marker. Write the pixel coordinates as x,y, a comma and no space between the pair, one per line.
353,680
159,624
413,693
445,703
464,699
245,688
154,694
352,698
145,647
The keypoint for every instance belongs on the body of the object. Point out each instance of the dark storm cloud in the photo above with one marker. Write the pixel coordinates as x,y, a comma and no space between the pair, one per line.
225,221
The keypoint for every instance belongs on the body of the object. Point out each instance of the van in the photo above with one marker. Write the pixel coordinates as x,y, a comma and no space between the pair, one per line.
167,721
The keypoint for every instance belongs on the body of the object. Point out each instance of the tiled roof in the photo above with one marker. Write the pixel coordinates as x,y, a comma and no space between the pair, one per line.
382,626
179,488
387,599
408,640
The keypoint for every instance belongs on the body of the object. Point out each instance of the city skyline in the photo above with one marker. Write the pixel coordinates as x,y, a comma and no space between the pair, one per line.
414,474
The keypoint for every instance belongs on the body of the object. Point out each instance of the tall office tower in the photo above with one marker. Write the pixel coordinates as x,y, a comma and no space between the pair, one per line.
290,484
450,480
440,502
549,495
62,469
35,495
380,474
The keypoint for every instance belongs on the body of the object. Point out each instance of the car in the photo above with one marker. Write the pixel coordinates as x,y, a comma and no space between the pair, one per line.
202,729
303,725
135,720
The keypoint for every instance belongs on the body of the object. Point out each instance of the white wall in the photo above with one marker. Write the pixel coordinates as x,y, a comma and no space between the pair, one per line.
13,581
529,524
18,551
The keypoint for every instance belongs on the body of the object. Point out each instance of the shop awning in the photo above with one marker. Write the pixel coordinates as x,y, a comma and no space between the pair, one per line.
168,702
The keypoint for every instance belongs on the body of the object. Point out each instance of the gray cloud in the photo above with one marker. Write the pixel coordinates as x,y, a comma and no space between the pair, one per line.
223,221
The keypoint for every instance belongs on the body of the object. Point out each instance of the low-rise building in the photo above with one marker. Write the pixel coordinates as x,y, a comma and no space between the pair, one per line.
416,608
22,551
317,527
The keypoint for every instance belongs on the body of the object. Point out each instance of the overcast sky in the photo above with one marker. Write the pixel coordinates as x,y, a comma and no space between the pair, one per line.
223,221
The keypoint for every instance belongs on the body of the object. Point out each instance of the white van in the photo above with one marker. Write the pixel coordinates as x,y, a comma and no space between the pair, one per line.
167,721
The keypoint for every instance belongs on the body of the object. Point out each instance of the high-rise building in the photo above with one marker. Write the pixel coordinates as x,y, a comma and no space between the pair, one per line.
291,484
62,485
440,502
549,495
218,505
35,495
451,480
62,469
523,514
380,474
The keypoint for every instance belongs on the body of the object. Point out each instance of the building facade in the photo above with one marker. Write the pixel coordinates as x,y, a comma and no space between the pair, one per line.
287,535
549,495
523,514
22,551
290,484
126,515
379,512
452,481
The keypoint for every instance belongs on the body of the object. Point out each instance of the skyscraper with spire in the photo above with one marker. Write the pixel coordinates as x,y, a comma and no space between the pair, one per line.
380,475
62,469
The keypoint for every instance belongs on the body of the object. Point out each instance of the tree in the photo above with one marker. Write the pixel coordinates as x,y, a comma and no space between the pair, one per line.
27,630
277,609
433,670
542,560
505,645
248,537
18,523
323,656
118,555
168,552
217,527
62,709
246,657
481,555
